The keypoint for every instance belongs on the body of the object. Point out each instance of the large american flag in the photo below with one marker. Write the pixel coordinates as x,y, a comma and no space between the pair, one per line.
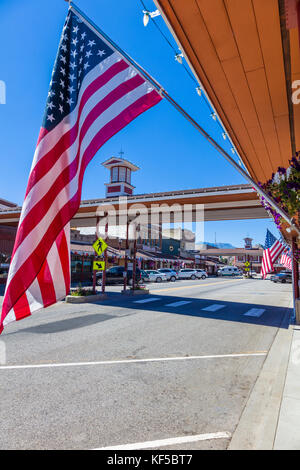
273,249
93,94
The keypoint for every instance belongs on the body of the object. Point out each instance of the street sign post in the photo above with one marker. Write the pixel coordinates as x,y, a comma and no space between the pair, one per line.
100,247
98,266
246,267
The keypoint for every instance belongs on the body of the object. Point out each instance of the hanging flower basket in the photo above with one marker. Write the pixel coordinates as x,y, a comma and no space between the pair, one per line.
284,189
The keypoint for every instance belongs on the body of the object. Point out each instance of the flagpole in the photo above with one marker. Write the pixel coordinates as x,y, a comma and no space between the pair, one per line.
189,118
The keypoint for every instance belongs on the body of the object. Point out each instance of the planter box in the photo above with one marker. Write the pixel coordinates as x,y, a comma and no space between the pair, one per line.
82,299
135,292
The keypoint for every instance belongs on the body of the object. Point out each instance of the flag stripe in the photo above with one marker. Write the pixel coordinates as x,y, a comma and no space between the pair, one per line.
46,285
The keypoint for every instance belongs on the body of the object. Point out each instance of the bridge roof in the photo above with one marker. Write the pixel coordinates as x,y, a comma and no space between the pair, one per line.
220,203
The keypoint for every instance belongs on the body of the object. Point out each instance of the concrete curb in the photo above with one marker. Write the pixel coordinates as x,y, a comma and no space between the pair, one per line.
135,292
288,429
257,427
84,299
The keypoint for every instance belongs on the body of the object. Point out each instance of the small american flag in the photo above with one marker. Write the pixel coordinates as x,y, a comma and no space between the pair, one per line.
93,94
273,249
286,260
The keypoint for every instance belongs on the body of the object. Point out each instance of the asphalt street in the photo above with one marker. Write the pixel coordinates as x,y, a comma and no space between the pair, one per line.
179,363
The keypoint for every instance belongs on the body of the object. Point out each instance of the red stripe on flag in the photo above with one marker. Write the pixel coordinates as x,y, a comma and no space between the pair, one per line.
42,134
21,308
46,285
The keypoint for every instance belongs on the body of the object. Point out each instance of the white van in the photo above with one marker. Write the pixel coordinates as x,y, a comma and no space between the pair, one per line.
228,271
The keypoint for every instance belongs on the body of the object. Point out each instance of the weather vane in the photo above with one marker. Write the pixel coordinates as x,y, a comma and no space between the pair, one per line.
121,153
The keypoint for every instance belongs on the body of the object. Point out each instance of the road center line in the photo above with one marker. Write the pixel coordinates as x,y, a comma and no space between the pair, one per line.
169,442
131,361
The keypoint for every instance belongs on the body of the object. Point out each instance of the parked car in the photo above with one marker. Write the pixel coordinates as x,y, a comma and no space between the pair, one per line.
228,271
156,276
201,274
170,273
145,276
283,278
115,275
187,274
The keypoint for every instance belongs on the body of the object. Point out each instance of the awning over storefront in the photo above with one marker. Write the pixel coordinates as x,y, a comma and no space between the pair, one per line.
87,250
246,59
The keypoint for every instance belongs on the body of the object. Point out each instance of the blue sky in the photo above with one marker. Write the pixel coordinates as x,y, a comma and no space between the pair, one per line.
170,153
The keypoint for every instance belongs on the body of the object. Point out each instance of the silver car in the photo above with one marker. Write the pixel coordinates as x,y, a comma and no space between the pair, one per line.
187,274
201,274
170,273
156,276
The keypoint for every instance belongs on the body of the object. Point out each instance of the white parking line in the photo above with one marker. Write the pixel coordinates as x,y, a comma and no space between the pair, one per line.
131,361
144,301
255,312
213,308
178,304
169,442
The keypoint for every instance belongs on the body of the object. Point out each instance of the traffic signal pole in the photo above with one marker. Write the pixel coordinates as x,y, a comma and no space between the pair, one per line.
126,257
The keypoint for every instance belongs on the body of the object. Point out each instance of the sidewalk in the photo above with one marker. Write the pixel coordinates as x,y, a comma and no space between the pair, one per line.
271,417
288,429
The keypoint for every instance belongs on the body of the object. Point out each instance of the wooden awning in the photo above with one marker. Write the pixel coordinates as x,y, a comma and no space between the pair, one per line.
246,59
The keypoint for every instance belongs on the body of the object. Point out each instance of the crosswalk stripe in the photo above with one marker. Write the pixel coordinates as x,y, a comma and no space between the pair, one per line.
144,301
255,312
179,303
213,307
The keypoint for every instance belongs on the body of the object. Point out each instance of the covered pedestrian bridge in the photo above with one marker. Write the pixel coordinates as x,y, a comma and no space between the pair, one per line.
220,203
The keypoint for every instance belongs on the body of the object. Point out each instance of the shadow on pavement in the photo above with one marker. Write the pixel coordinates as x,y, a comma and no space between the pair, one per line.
69,324
232,311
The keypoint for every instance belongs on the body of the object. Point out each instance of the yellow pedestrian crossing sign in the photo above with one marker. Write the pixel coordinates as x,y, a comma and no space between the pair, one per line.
100,246
98,266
